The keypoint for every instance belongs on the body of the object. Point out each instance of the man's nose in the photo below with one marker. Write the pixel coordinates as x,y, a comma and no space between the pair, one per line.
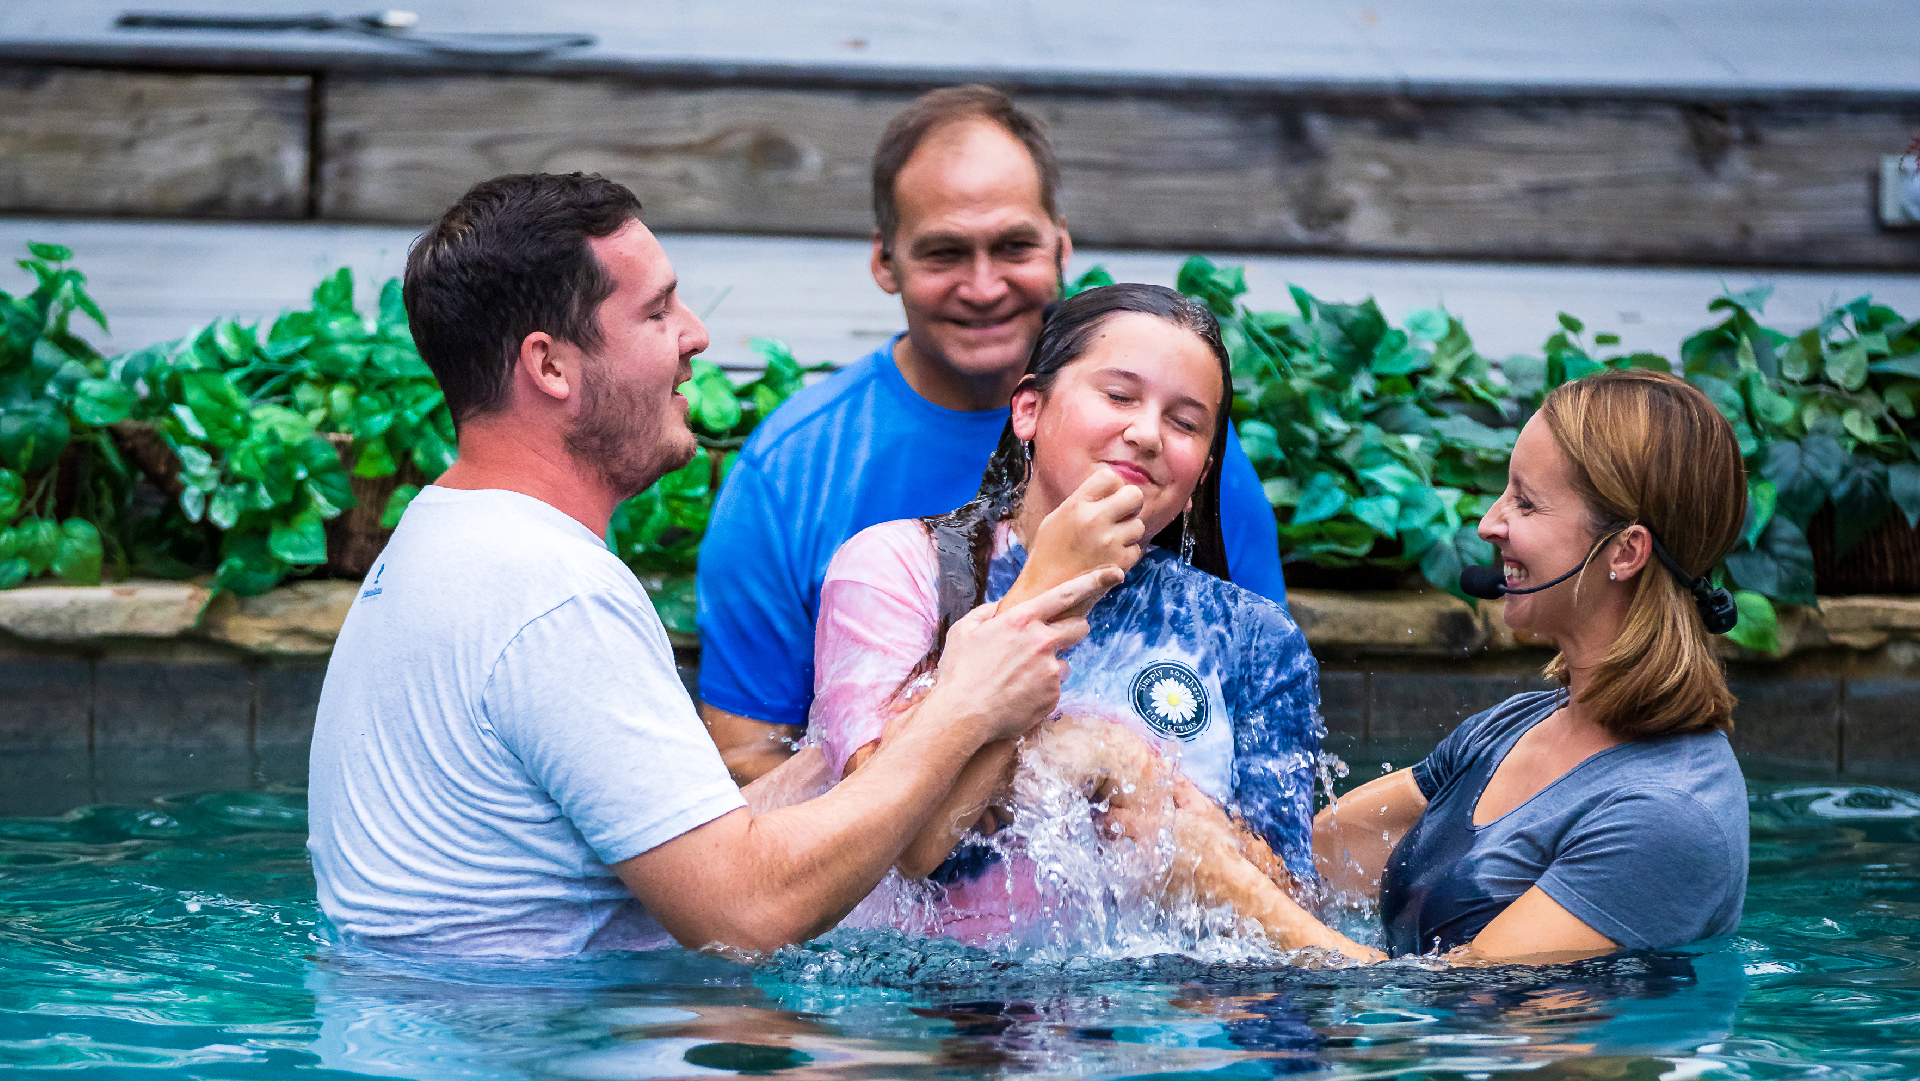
984,284
694,339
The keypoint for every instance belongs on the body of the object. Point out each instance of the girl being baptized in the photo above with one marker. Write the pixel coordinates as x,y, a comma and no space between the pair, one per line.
1187,715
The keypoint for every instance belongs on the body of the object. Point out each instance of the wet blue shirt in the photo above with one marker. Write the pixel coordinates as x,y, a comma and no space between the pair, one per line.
860,448
1645,842
1220,674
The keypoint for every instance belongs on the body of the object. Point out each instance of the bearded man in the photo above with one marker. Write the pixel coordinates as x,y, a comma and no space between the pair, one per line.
505,761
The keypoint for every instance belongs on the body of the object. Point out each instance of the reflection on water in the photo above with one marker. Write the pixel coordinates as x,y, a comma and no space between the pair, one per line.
180,934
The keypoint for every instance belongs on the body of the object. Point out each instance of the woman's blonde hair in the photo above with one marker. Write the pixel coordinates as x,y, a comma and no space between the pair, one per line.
1647,448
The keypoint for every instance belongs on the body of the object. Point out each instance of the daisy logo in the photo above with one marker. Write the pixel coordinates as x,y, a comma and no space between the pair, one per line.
1171,699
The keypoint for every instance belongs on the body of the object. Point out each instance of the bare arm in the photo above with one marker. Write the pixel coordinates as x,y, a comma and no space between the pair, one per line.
749,748
1353,837
1533,930
759,882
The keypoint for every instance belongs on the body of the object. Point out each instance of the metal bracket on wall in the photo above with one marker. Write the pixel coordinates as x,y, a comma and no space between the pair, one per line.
1900,191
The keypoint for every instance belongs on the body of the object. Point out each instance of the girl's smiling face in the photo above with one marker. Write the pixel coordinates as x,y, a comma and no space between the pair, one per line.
1543,530
1141,401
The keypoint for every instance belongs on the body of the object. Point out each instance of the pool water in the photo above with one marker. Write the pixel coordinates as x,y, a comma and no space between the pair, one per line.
181,935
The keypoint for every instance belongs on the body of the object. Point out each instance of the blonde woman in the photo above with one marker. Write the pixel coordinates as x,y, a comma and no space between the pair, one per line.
1609,813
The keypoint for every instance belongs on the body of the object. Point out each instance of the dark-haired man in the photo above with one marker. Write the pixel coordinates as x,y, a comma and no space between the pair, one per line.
504,760
968,233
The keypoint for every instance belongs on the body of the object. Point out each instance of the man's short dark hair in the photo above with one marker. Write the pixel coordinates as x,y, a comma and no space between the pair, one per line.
936,109
510,258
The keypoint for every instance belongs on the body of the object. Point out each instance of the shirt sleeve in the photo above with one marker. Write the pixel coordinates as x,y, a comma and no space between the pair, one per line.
1247,526
756,632
1650,869
878,609
586,698
1277,744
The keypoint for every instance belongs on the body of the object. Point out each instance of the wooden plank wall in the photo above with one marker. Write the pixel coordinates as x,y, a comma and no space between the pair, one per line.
1609,181
109,143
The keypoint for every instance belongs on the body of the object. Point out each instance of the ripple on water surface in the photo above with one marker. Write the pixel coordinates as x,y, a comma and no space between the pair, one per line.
181,935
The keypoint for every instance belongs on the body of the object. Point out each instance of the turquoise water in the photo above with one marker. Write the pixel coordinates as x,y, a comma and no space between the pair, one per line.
180,935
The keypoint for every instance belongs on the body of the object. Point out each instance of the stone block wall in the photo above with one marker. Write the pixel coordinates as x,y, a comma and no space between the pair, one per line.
106,678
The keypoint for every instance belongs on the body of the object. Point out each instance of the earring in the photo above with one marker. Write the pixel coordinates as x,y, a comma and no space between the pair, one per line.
1026,449
1612,577
1186,539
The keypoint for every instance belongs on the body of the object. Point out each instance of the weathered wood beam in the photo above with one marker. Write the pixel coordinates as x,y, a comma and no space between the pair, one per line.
102,142
1578,180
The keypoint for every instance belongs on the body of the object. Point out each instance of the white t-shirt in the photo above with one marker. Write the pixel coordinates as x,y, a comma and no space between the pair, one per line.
501,721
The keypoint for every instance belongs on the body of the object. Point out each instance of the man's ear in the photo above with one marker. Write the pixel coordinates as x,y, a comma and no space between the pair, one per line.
540,363
1024,410
881,263
1064,255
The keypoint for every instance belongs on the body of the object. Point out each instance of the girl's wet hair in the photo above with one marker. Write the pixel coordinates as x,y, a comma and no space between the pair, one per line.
963,538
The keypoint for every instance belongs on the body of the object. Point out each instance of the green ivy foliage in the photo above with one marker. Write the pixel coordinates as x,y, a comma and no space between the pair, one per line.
57,399
265,429
1377,445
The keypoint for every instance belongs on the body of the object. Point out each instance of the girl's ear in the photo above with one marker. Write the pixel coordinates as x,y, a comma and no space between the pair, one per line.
1025,409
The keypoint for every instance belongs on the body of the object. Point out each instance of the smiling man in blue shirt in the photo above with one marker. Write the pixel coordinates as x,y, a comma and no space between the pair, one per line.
969,235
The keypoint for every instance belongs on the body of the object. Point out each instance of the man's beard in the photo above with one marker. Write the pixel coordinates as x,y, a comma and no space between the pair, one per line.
610,436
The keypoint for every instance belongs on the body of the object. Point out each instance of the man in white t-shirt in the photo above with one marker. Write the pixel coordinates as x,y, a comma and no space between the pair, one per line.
505,761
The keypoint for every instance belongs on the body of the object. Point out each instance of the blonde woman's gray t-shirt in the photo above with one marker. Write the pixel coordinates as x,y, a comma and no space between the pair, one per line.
1645,842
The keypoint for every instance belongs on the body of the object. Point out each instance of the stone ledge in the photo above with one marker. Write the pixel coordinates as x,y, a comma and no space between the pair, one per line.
132,609
303,619
298,620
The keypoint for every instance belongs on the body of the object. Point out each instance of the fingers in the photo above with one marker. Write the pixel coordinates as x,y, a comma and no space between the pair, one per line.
1100,484
1052,604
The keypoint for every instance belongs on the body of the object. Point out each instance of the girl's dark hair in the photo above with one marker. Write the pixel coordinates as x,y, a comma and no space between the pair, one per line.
963,538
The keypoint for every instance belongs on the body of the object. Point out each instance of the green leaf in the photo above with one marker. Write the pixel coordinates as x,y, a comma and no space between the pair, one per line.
1803,472
1452,554
101,402
1259,441
397,505
79,554
1574,326
13,572
1095,278
1780,566
1217,288
248,566
1848,366
1907,365
224,508
1762,497
1380,512
1903,487
335,292
219,408
375,460
52,253
1323,498
36,540
1860,501
1606,338
1758,628
32,435
301,541
234,341
13,492
1428,324
1398,480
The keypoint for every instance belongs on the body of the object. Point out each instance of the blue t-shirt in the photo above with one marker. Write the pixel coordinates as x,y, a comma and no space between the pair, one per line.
1221,673
856,449
1645,842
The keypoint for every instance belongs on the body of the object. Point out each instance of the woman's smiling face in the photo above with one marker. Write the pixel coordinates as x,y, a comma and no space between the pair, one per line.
1142,401
1543,530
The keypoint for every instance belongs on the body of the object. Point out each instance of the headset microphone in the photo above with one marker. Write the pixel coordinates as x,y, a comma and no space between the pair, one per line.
1717,609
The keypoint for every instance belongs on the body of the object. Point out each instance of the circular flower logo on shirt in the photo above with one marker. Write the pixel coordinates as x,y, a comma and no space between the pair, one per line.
1171,699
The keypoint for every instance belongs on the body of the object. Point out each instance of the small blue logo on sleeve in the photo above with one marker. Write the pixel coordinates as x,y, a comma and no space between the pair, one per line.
374,589
1171,699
